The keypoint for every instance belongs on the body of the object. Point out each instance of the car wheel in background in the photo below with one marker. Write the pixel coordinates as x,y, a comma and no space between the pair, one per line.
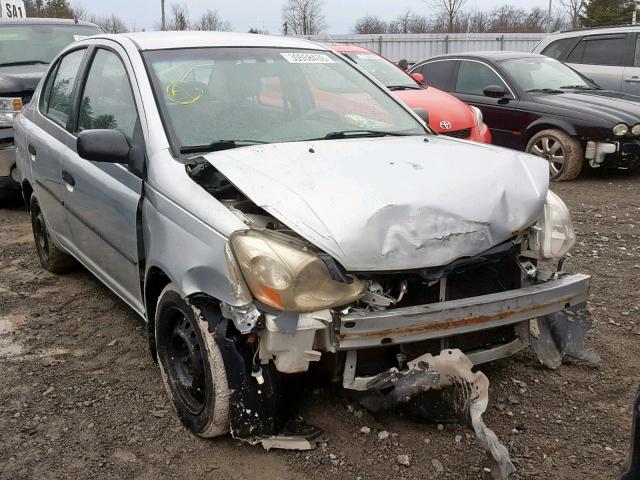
51,258
191,365
562,151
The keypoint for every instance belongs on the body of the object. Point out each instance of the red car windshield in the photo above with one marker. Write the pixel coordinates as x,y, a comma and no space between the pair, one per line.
383,70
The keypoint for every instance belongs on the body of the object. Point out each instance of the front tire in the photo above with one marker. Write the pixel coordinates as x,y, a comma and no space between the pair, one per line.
562,151
51,258
191,366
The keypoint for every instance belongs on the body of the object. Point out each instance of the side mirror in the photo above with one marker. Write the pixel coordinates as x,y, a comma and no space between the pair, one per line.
99,145
418,77
494,91
423,114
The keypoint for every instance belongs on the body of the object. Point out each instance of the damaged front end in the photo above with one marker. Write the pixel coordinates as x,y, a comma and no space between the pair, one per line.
392,334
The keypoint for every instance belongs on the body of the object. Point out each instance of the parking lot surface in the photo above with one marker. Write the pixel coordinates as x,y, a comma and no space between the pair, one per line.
80,396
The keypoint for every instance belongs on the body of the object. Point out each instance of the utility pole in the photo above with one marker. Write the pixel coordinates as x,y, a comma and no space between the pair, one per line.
549,18
162,22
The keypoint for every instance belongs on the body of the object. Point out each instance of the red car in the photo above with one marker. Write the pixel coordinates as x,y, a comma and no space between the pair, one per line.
447,115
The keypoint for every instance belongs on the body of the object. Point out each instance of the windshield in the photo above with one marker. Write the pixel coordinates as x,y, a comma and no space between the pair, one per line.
383,70
264,95
540,74
24,43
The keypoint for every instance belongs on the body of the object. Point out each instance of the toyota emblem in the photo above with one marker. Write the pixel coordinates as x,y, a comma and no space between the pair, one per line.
445,125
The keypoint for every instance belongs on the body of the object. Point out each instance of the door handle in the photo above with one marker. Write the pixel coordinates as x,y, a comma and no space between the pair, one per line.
68,178
32,149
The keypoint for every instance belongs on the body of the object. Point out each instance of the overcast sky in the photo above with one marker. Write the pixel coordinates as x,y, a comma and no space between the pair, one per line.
266,14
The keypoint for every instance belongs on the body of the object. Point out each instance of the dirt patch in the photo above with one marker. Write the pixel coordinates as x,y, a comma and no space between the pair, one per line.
80,396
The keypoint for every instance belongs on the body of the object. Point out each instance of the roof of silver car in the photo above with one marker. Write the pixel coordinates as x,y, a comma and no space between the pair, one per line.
165,40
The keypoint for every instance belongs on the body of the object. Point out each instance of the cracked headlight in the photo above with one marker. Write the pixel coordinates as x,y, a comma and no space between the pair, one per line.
282,273
552,236
9,107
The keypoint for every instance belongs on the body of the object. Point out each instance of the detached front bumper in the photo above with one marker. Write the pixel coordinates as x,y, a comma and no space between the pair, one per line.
454,317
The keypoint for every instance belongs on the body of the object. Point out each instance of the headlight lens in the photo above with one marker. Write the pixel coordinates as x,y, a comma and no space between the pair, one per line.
636,129
9,106
552,236
620,130
282,274
479,118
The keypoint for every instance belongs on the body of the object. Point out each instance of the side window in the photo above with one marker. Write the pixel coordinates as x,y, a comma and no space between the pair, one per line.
439,74
559,48
107,99
474,77
599,50
57,99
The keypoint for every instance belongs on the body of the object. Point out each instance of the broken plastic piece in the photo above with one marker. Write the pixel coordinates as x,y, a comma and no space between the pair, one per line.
296,435
562,334
451,368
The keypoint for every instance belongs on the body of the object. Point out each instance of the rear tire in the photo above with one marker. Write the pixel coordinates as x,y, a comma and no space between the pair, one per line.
51,258
191,366
562,151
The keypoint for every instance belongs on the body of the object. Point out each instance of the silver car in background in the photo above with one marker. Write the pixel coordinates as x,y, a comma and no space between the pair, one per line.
268,208
609,56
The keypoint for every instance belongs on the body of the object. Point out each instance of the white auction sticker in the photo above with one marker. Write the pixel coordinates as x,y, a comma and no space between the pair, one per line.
307,57
12,9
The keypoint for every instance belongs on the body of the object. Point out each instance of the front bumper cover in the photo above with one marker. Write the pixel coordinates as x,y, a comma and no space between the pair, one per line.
453,317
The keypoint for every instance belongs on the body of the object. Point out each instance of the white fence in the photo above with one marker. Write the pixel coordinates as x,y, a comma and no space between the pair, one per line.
416,47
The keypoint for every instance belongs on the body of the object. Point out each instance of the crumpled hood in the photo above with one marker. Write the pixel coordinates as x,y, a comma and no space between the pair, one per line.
392,203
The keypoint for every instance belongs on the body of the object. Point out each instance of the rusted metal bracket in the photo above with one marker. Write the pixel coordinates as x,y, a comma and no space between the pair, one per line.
451,368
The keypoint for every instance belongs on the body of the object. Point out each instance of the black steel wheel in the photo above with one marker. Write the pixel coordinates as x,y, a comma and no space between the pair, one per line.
51,258
191,365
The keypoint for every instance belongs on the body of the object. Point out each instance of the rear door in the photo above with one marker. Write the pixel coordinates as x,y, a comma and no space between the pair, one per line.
102,199
602,58
500,114
47,141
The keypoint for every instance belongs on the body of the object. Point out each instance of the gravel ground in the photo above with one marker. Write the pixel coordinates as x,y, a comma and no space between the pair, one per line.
81,398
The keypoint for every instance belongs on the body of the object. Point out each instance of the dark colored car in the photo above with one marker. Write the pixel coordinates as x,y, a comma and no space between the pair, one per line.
27,46
537,104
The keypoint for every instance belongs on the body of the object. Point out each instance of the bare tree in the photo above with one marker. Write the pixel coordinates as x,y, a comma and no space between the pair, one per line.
573,9
449,9
402,23
109,23
303,17
79,12
370,24
179,17
211,21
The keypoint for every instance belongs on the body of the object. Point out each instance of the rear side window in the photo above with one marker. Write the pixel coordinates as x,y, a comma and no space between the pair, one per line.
107,99
474,77
439,74
57,102
599,50
559,48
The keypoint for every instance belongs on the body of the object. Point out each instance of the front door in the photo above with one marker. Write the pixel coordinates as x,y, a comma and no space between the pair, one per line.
500,114
102,198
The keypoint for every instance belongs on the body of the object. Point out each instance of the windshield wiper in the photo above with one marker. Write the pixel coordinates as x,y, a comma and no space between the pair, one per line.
365,133
545,90
580,87
25,62
403,87
218,145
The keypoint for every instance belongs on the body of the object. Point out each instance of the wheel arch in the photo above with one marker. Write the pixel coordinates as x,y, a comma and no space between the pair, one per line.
27,192
548,124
